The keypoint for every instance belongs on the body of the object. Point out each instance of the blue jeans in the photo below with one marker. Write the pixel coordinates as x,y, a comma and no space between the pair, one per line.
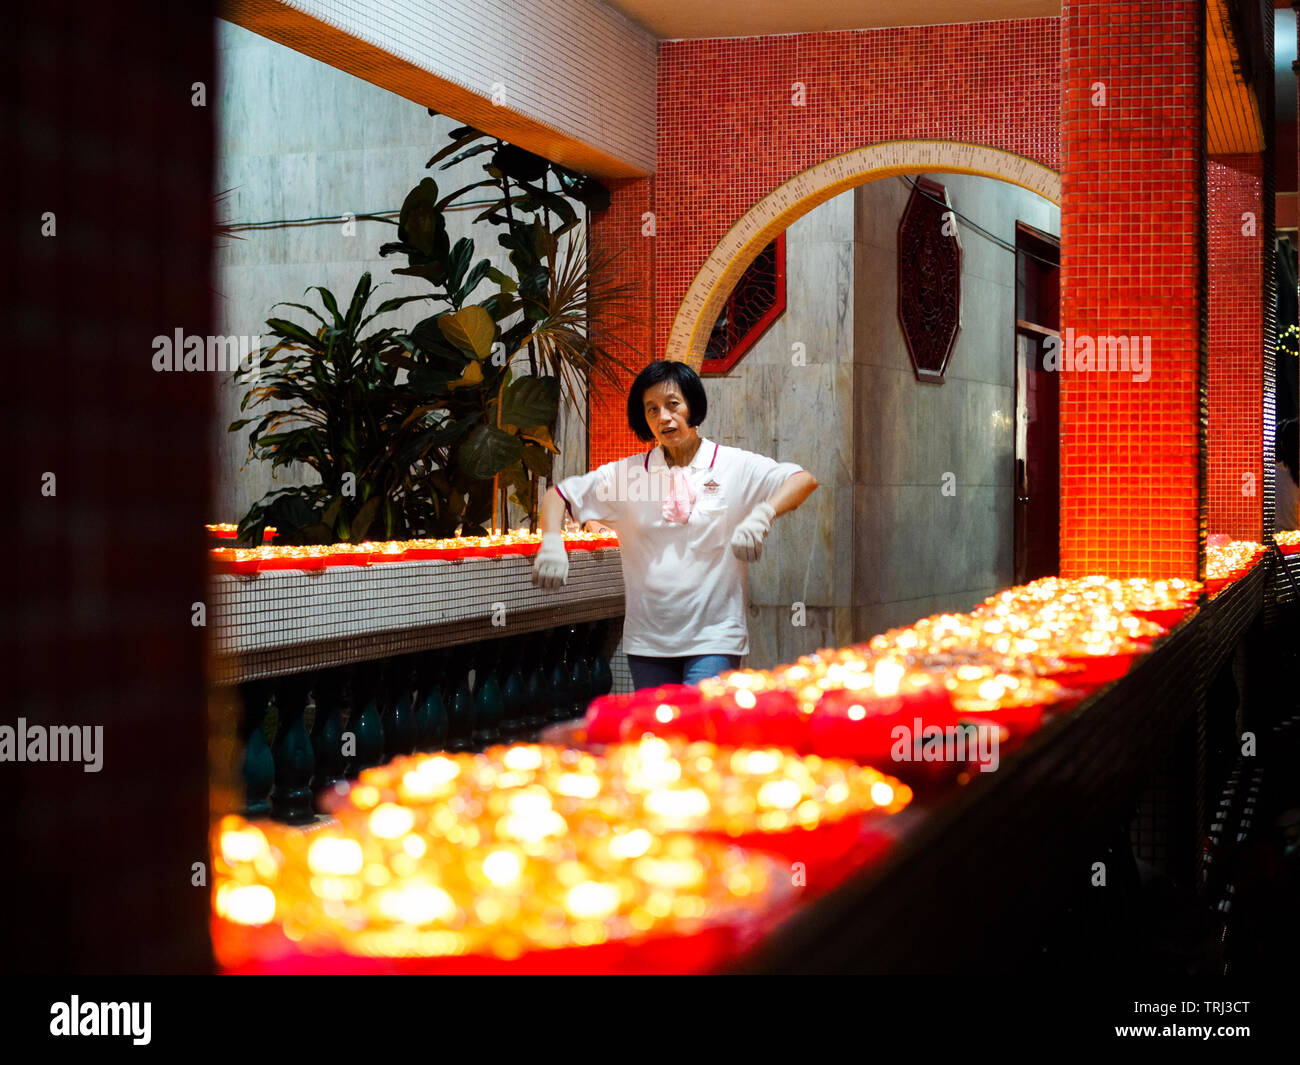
650,672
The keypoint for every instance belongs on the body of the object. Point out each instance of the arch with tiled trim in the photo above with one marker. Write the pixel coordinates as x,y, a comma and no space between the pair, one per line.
688,339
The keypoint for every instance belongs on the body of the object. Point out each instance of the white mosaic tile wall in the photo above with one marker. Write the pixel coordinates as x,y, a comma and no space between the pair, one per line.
574,65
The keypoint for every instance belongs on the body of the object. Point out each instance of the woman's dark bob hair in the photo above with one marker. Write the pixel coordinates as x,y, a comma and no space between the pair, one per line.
686,379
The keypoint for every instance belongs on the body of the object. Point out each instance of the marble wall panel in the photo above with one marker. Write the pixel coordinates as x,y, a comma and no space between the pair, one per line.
917,550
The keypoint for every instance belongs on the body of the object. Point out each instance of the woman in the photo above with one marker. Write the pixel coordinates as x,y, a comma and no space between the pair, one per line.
690,516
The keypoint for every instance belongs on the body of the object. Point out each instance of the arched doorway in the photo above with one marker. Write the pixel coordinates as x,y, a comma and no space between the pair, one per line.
775,212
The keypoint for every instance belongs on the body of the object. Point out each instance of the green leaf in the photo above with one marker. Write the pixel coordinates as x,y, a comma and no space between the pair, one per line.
302,307
283,328
446,201
332,512
531,401
431,380
398,301
420,220
471,329
468,136
589,192
519,164
501,305
473,375
516,336
447,433
428,338
365,516
534,283
434,273
331,305
471,281
538,460
360,297
555,202
458,262
478,507
469,153
506,282
540,434
486,451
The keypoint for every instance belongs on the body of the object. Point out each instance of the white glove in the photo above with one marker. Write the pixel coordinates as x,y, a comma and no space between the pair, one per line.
747,540
551,566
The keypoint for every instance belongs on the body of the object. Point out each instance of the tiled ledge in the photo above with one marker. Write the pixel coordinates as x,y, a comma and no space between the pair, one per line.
288,621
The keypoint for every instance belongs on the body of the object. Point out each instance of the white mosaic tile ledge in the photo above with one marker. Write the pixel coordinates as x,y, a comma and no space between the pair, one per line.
287,621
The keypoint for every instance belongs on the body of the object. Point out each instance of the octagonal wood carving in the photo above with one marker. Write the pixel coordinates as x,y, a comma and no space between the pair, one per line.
929,279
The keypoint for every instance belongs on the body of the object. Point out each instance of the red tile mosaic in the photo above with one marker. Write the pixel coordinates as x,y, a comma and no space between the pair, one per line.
625,232
740,116
1132,255
1235,233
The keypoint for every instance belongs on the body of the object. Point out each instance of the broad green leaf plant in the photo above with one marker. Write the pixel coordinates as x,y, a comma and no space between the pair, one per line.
427,432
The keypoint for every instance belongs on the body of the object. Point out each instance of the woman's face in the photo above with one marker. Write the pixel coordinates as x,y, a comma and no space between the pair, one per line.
667,415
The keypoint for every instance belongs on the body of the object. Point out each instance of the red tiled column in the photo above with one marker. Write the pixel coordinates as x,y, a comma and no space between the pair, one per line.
625,231
1132,263
1235,232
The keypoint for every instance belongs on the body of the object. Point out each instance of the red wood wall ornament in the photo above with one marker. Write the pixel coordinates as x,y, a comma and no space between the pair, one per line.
755,303
929,279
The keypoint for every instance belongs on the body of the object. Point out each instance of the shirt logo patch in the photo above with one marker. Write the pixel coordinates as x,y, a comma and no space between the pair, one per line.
711,486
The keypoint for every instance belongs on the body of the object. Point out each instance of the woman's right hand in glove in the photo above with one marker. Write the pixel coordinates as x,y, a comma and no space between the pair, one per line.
551,566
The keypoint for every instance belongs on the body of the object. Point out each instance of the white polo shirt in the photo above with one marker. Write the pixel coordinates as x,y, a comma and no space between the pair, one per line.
686,591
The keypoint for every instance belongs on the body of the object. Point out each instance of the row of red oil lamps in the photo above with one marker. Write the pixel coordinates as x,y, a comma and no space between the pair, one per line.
1288,542
315,557
674,827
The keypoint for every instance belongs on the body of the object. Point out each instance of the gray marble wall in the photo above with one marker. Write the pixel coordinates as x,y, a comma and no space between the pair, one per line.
300,139
916,550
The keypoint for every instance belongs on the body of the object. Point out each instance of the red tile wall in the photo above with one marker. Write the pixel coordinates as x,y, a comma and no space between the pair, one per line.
1131,255
1234,186
620,234
729,135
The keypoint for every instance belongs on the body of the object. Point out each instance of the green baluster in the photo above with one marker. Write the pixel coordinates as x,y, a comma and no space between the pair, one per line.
602,678
365,731
327,728
579,672
560,697
488,707
258,768
513,695
399,722
431,715
460,716
535,697
291,799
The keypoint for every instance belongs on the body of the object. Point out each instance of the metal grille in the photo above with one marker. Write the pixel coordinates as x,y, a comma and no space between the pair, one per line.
288,622
1269,501
755,303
